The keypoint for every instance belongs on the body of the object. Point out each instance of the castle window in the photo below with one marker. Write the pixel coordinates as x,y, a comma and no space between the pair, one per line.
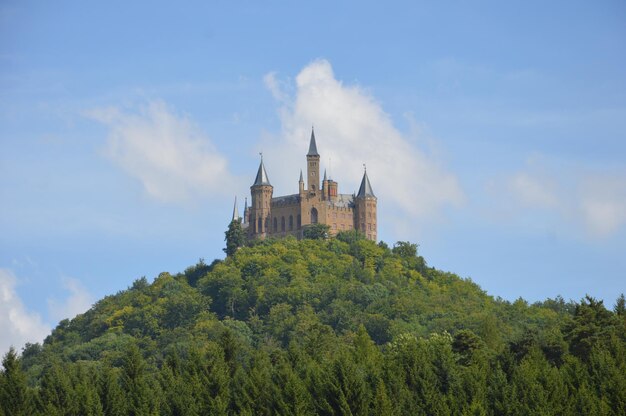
275,224
290,222
267,223
282,224
313,216
259,226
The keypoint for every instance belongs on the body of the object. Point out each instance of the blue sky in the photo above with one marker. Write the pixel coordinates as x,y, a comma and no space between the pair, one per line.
494,135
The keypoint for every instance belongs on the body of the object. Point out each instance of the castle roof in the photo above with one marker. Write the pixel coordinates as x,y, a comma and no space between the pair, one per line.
286,199
312,145
366,188
261,176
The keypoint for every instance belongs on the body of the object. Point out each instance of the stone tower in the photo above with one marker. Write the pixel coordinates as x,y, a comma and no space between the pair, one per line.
313,167
365,209
260,210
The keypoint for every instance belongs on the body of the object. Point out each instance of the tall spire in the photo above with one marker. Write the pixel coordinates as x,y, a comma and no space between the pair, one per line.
301,180
312,145
324,175
235,211
261,176
365,189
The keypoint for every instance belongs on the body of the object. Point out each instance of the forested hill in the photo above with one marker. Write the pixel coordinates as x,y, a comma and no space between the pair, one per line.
332,327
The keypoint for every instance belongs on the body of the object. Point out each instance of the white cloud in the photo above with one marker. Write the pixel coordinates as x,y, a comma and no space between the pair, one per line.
17,325
351,129
534,191
602,204
77,302
167,152
591,202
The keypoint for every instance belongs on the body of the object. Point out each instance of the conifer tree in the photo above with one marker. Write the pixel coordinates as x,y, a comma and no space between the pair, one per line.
111,394
134,382
14,395
235,237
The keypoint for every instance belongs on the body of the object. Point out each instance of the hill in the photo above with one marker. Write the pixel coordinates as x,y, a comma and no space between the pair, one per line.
340,326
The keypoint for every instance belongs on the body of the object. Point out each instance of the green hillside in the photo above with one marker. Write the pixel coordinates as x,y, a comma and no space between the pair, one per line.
332,327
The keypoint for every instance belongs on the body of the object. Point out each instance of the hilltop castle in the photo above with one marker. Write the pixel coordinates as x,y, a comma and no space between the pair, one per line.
270,216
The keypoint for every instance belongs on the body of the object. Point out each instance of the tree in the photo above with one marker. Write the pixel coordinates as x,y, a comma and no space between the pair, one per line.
592,323
316,232
14,398
620,306
134,383
234,237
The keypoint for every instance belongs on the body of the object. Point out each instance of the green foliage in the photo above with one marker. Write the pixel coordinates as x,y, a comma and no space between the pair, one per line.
322,326
316,231
235,237
14,395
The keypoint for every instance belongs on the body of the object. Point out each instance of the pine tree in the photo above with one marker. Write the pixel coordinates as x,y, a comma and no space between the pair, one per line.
235,237
56,393
134,382
14,395
111,394
620,306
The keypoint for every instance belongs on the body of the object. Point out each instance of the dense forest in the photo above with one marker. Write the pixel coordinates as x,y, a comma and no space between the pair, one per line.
340,326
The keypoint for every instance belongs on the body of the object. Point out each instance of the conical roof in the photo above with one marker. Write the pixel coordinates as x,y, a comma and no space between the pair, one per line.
365,189
235,211
312,145
301,180
261,176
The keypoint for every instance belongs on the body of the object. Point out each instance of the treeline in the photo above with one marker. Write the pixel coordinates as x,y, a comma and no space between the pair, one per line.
331,327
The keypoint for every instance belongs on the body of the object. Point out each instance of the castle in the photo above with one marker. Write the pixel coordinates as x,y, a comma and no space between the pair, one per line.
270,216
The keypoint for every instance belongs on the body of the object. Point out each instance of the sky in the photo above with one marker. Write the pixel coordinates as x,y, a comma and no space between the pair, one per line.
494,135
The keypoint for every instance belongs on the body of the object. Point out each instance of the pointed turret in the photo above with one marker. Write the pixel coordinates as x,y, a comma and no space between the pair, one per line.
312,145
246,213
325,175
365,209
313,166
260,209
235,211
301,179
261,176
366,188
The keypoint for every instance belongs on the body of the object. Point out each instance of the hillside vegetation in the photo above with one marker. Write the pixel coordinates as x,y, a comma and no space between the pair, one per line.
332,327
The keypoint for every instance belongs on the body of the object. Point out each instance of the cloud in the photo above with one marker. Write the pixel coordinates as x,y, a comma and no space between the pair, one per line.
602,204
351,129
166,152
77,302
17,325
590,201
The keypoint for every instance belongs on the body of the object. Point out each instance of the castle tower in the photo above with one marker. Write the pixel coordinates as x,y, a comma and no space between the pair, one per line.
260,209
325,187
365,209
332,190
301,184
313,166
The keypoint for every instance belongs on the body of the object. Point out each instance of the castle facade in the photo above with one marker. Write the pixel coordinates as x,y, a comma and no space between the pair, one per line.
316,202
